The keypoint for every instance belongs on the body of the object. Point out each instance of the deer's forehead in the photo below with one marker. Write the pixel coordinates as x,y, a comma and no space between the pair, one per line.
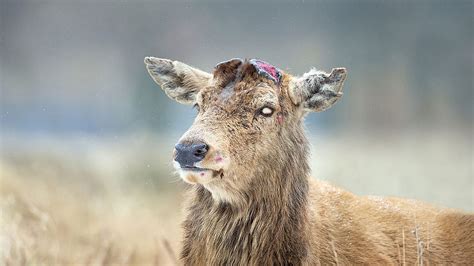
244,92
243,83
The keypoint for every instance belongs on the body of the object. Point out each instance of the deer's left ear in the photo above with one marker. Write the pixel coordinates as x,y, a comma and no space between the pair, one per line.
179,81
316,90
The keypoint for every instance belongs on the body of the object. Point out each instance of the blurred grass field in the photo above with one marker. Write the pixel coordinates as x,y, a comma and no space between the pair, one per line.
78,201
115,201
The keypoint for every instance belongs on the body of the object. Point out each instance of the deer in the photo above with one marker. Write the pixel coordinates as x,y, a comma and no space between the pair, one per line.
251,199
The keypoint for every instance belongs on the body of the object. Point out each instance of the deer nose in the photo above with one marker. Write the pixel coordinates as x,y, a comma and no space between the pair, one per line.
189,153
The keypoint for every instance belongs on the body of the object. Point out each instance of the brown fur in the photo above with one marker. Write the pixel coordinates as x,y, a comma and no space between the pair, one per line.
258,205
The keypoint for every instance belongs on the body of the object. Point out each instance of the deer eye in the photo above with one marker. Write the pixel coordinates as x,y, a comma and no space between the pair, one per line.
266,111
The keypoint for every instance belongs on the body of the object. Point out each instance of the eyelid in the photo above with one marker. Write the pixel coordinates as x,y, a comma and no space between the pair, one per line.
269,105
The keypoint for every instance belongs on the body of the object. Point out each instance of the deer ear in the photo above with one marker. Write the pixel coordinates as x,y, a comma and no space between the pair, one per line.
179,81
316,90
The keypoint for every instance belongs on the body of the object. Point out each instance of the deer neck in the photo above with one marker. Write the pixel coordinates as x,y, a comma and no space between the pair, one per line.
267,226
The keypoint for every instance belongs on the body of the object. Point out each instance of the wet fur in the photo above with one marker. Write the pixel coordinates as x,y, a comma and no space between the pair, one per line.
266,210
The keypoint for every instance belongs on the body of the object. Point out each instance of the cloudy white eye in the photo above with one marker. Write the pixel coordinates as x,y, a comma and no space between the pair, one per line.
266,111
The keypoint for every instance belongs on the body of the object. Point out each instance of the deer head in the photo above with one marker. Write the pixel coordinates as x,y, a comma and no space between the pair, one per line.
248,123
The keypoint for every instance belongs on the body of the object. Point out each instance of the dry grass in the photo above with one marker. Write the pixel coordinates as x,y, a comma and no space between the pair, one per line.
54,212
74,231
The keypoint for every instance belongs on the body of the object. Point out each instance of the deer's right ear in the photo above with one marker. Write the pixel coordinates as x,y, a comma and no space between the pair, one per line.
179,81
317,90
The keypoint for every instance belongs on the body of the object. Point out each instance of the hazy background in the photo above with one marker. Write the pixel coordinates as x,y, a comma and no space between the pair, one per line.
86,136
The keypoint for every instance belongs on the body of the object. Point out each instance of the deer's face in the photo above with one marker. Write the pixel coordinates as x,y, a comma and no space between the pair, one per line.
244,108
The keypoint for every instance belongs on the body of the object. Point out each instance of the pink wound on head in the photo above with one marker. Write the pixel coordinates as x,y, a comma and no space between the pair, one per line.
202,174
218,159
267,69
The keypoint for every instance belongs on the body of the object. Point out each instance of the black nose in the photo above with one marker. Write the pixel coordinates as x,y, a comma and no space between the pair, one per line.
189,153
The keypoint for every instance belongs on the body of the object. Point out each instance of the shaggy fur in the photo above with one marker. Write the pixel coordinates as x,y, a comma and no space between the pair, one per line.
253,201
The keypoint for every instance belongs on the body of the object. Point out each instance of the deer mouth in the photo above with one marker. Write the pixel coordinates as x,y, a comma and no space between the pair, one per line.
195,169
199,169
215,173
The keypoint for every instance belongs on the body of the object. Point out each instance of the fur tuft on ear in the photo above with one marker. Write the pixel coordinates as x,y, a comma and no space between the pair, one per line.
179,81
316,90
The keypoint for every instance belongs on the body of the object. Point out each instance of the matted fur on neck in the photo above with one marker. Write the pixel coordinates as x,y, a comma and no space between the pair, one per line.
265,224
